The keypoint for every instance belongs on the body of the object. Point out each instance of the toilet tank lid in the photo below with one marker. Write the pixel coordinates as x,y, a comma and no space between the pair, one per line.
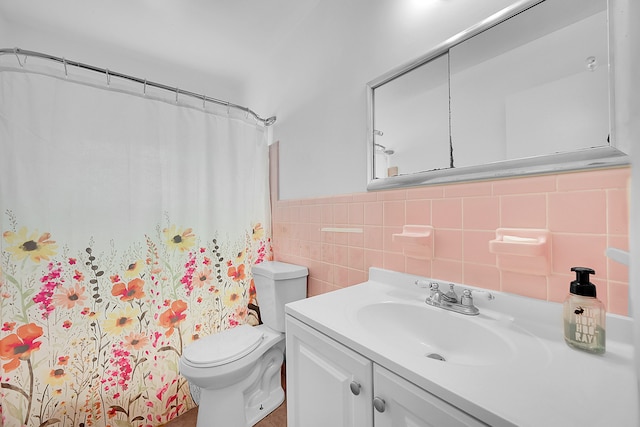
279,270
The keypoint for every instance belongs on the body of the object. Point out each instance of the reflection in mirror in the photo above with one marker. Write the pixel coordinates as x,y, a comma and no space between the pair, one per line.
527,91
536,84
419,97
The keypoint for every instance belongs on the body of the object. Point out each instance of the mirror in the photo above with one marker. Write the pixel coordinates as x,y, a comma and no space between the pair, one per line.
420,97
528,91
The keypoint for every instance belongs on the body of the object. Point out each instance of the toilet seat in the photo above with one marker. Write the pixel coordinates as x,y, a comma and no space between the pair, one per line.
223,347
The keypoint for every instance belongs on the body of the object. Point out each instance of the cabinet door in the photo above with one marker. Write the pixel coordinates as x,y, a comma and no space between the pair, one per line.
321,374
406,405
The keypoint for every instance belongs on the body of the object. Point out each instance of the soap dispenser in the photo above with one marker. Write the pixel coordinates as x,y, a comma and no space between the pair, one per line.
584,314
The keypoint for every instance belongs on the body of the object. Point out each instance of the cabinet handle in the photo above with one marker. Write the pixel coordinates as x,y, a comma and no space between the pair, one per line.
355,388
379,404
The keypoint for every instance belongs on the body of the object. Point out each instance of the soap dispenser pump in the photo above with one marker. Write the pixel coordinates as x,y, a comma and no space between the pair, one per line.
584,314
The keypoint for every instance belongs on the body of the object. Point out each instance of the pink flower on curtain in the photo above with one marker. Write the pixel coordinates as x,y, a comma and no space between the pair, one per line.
202,277
50,282
69,297
262,252
8,326
187,278
162,391
122,374
135,341
78,276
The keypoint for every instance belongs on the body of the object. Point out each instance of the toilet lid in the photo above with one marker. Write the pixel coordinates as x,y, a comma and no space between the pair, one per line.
224,347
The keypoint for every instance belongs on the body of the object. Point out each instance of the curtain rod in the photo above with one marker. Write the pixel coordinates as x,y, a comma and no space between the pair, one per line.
16,51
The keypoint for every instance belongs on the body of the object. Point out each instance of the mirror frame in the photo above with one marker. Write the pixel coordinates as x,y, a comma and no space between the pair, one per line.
592,158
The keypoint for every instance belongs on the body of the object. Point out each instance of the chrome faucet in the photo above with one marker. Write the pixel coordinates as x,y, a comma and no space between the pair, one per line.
450,301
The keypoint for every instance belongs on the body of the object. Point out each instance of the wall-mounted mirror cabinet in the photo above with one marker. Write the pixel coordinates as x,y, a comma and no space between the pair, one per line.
528,91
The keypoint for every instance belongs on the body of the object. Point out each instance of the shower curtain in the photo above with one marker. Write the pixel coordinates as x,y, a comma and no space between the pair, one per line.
129,227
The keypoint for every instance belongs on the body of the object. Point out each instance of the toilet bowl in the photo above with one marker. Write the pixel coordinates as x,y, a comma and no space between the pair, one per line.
237,371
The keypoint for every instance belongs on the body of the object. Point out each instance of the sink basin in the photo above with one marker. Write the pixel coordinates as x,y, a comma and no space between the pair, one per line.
438,335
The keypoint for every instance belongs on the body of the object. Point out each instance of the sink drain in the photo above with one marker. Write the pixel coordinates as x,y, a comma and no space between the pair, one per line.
436,356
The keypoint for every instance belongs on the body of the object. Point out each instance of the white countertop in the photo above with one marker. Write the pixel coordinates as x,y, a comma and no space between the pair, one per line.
553,385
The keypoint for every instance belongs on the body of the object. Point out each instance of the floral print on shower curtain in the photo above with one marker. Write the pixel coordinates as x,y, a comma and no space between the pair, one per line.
94,338
129,228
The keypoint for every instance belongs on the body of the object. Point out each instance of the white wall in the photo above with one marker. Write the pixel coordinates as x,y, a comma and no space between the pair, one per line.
315,82
100,50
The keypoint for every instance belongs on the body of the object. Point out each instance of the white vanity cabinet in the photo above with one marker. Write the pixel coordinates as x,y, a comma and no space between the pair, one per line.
399,403
328,384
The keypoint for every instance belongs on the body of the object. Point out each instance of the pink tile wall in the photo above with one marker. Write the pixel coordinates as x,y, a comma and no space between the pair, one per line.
586,212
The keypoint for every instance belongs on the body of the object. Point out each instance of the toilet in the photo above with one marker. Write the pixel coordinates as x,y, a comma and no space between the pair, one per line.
234,375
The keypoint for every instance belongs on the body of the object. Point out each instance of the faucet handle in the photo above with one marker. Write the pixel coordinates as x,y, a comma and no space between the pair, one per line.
434,292
467,296
433,286
422,283
489,295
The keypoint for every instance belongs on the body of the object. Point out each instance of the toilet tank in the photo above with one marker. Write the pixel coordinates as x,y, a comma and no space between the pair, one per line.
278,283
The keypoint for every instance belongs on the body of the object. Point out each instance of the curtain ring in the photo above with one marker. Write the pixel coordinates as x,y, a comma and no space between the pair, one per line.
15,51
204,98
228,108
177,90
64,62
108,77
144,88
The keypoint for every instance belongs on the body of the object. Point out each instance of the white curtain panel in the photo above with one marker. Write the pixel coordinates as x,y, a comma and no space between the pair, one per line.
129,227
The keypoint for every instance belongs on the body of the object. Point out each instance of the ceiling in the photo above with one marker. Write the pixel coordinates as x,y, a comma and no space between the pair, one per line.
224,37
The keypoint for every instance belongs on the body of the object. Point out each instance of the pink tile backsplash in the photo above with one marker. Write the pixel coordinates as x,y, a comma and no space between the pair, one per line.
525,285
418,212
586,212
475,247
393,213
528,210
570,250
356,213
446,213
481,213
578,211
448,244
373,213
617,216
341,213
